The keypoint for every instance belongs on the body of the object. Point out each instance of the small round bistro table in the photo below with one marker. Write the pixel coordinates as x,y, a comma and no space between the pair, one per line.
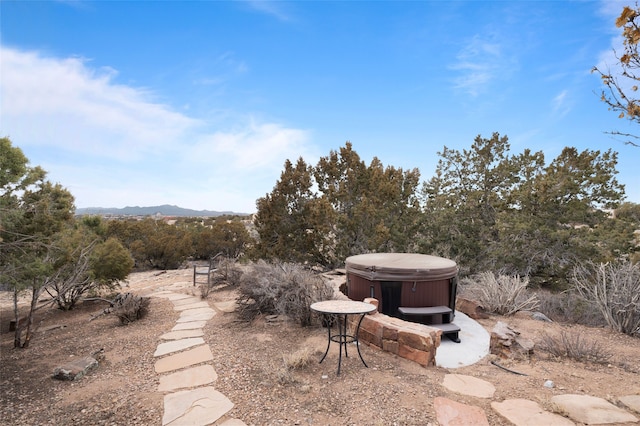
340,309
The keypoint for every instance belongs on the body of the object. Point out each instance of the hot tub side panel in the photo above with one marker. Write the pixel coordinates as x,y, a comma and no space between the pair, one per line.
360,288
416,294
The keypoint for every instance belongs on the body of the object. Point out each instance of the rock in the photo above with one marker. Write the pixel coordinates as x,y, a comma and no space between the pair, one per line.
591,410
200,406
471,308
507,342
452,413
468,385
76,369
549,384
522,412
539,316
188,378
631,401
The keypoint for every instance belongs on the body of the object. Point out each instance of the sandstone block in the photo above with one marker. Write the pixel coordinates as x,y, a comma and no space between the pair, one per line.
415,355
390,346
506,342
452,413
471,308
468,385
591,410
415,340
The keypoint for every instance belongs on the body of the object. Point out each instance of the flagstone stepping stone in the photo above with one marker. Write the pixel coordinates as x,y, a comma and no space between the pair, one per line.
189,325
452,413
202,314
182,334
468,385
184,359
177,345
188,378
631,401
201,406
187,301
591,410
522,412
228,306
191,305
175,296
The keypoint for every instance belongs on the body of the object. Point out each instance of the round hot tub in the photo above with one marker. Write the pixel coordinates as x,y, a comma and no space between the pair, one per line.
402,279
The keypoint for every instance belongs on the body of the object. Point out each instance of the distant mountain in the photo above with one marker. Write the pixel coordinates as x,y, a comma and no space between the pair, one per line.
164,210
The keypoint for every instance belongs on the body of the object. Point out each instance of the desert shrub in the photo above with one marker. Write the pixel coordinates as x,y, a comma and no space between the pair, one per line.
297,360
501,294
227,272
569,307
282,289
129,307
614,289
574,346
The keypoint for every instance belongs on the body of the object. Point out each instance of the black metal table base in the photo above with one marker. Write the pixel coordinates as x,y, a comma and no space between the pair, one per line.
342,338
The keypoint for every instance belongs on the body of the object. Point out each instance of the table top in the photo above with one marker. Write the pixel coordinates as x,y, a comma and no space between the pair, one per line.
342,307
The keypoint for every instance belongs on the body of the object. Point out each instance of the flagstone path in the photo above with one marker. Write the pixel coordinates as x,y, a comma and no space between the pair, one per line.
582,409
186,377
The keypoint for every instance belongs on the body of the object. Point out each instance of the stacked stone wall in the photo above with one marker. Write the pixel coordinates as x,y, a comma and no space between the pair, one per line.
409,340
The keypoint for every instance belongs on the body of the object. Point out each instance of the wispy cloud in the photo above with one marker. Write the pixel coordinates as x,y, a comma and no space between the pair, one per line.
272,8
113,144
478,64
560,105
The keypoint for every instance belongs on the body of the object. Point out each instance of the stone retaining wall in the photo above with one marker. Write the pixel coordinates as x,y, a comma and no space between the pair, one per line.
410,340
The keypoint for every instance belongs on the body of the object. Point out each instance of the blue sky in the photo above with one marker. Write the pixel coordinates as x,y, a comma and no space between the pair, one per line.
199,103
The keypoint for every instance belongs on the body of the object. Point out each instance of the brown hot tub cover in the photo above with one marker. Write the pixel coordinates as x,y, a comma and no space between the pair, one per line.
401,267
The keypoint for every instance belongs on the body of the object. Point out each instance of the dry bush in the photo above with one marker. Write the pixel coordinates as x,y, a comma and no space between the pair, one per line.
294,361
281,289
128,307
227,272
568,307
574,346
614,289
501,294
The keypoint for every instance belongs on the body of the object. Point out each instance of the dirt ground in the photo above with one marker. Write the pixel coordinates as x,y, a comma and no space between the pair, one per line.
250,363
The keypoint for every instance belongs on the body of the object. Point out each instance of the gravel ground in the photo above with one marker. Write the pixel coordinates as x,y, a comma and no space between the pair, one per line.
253,371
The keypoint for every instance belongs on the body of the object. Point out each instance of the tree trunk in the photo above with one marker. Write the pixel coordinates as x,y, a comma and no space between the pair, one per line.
17,337
35,295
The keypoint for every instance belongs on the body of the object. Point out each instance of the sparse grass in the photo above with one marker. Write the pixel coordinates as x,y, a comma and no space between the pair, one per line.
567,307
294,361
574,346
